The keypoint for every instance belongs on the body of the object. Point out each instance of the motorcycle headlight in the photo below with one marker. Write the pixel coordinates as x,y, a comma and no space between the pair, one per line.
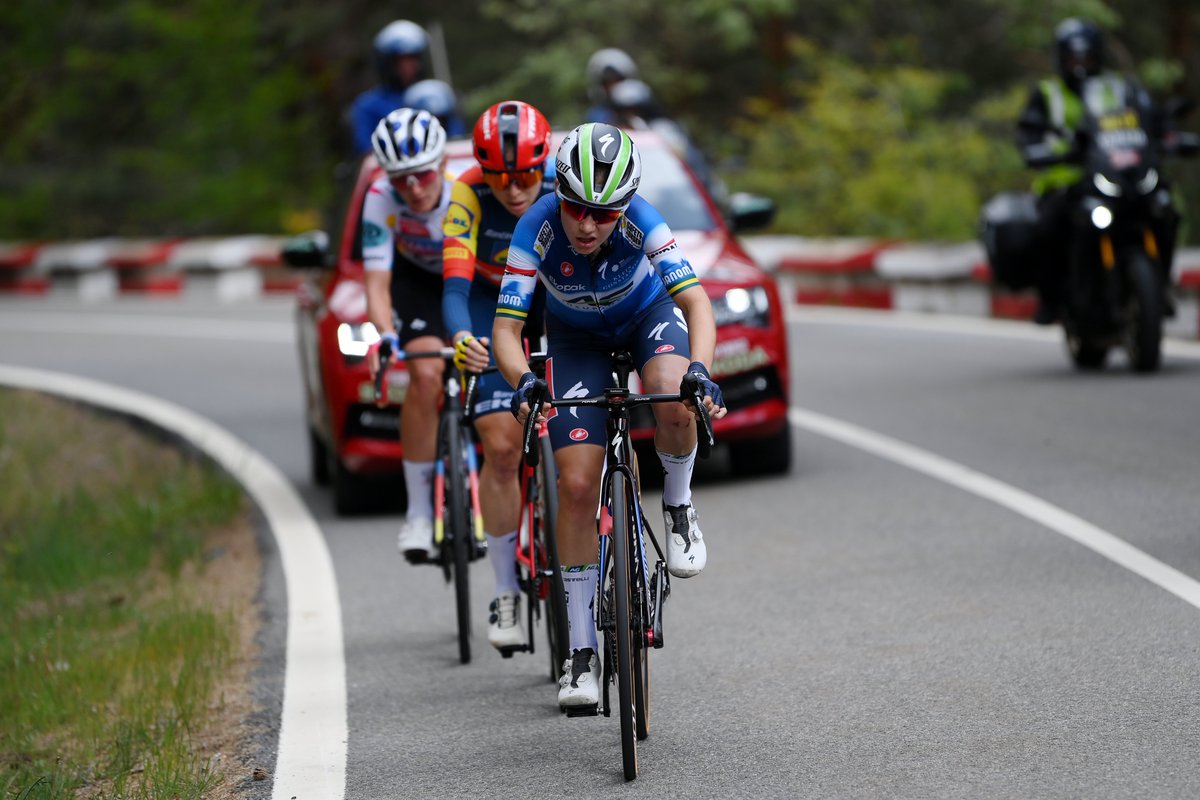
740,306
1149,182
1102,217
355,340
1106,186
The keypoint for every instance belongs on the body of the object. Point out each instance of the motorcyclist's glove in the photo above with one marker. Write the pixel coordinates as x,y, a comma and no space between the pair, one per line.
461,347
525,389
697,378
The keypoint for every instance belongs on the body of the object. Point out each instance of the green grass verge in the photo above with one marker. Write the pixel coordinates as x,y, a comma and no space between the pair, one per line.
108,659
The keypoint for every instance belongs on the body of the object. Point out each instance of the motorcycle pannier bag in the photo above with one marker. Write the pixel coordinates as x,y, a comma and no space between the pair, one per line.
1009,229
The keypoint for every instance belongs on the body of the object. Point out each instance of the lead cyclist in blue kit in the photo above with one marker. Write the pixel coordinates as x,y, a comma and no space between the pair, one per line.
614,279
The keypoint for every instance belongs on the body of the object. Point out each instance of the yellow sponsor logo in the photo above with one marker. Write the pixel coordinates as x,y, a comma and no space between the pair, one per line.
456,252
1116,122
458,221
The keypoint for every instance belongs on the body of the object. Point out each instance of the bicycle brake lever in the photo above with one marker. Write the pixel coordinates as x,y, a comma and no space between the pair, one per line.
704,432
531,453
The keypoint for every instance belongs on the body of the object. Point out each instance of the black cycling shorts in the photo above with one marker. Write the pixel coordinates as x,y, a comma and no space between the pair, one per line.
416,302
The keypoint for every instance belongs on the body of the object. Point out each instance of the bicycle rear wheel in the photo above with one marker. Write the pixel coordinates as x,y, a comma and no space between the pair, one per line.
458,530
619,539
557,634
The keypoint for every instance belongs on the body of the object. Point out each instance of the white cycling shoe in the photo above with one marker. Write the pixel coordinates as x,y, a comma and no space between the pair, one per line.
686,553
580,681
505,632
416,540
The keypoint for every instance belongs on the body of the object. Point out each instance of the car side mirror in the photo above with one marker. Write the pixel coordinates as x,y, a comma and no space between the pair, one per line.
750,211
307,250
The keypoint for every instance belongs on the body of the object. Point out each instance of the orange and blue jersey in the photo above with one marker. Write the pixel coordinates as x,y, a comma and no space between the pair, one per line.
476,233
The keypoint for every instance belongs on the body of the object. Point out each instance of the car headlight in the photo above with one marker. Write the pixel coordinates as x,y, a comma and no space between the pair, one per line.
1102,217
355,340
743,307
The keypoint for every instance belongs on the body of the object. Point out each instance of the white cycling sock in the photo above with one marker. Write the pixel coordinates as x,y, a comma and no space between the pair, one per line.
580,586
502,552
418,479
677,477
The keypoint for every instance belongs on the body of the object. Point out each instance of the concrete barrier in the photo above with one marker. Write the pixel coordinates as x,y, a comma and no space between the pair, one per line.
930,277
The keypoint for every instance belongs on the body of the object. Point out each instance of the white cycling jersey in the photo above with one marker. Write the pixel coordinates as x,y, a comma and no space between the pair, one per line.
390,226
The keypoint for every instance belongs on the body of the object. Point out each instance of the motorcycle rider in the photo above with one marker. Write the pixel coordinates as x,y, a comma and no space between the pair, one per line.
1049,127
401,49
605,69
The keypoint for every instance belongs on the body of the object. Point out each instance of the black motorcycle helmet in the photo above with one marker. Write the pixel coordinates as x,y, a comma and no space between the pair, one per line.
1079,49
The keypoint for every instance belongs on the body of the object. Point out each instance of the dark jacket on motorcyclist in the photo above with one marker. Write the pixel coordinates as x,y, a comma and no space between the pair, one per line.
1049,127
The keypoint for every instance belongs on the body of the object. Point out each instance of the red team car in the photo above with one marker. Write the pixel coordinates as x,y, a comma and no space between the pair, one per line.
353,441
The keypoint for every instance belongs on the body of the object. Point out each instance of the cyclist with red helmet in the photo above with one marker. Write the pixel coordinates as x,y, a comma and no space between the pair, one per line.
511,142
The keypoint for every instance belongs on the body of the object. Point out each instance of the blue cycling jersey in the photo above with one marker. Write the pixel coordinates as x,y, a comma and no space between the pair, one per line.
638,266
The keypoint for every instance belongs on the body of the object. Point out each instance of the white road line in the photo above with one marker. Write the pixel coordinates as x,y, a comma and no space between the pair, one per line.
87,324
1027,505
955,325
313,730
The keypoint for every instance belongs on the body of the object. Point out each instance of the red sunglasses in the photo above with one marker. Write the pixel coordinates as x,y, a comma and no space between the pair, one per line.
577,211
413,180
499,180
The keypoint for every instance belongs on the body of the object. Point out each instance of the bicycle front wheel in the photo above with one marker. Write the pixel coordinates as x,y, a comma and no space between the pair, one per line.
458,530
619,539
557,633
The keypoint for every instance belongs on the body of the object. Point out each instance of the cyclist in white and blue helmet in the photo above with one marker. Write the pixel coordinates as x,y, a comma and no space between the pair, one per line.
402,259
615,279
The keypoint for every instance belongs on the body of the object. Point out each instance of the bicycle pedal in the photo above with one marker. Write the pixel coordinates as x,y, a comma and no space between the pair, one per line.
580,711
507,652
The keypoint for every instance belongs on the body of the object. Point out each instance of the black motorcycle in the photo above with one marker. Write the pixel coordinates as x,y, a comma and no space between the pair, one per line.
1121,234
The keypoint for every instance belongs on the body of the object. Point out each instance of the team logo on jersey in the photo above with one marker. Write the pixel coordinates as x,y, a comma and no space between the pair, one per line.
502,257
664,348
578,434
631,232
567,268
544,238
459,220
372,234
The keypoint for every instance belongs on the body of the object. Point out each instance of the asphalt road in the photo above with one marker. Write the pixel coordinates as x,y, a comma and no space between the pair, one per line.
862,630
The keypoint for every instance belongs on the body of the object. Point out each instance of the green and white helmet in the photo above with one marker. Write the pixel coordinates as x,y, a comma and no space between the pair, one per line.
598,165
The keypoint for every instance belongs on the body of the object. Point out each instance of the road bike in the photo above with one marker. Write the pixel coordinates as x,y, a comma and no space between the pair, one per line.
630,595
458,520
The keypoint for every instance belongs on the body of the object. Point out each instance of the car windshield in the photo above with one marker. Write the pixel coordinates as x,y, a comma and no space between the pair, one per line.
667,186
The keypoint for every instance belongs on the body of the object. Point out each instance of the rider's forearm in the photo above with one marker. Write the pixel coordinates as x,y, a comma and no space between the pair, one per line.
507,349
379,301
702,325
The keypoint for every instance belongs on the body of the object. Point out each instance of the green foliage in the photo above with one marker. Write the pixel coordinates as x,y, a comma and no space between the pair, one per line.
106,667
220,116
153,118
878,152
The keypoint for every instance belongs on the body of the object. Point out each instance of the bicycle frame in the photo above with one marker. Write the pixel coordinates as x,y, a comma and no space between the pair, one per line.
629,599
